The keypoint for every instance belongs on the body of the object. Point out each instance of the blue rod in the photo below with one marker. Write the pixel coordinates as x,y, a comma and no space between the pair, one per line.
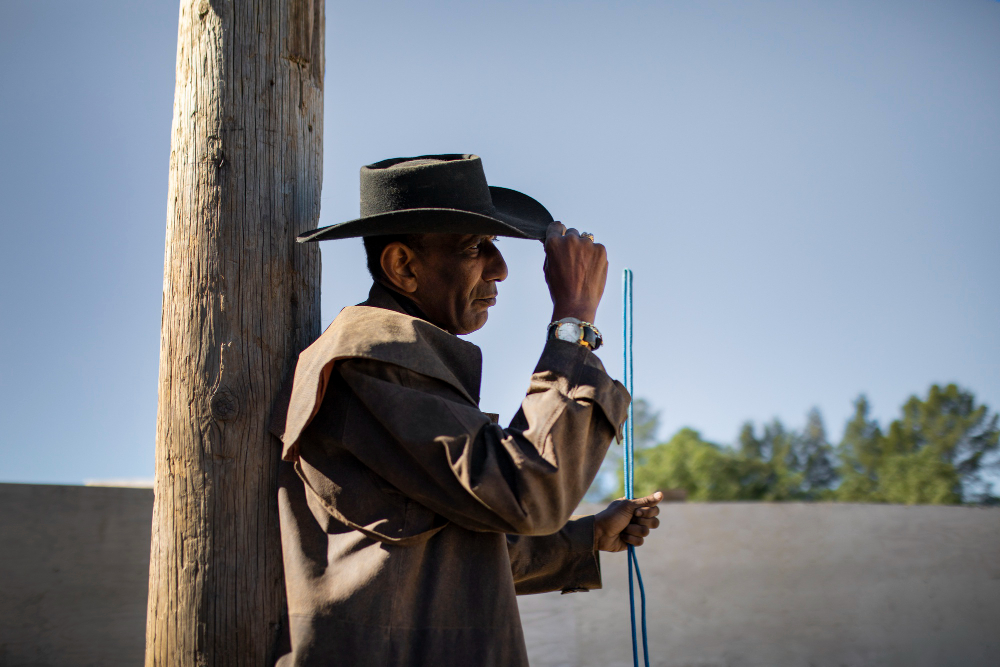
629,472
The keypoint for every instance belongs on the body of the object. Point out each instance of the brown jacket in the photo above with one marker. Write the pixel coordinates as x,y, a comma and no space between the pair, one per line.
408,519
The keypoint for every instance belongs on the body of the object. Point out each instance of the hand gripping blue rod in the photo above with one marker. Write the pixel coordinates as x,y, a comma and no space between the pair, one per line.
633,562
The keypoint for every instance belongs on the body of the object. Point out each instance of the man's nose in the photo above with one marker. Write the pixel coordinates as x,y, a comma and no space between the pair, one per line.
496,269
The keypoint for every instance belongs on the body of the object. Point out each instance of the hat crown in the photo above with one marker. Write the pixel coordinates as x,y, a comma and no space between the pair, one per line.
449,181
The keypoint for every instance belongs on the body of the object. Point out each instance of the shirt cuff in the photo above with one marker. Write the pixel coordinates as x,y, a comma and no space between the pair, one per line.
583,563
587,380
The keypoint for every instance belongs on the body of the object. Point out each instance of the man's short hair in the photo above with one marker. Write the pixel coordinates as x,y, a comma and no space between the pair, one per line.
374,245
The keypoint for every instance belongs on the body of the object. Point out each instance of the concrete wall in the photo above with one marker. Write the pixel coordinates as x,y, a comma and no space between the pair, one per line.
728,585
74,563
741,584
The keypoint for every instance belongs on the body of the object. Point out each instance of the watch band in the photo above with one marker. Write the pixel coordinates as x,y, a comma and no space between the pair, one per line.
573,330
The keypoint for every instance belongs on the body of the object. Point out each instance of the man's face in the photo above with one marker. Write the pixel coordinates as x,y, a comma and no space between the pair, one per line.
456,277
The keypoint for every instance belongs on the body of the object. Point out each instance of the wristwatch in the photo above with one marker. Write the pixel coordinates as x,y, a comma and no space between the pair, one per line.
576,331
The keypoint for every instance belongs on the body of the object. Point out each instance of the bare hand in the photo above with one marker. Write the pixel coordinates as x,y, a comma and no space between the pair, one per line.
576,270
626,522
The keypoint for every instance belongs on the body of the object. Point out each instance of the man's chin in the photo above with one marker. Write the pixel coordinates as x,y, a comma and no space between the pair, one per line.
476,322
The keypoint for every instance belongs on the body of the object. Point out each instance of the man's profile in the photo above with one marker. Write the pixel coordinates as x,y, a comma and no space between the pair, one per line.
409,520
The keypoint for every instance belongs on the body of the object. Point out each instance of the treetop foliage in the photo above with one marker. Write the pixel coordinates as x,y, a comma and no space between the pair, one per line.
935,452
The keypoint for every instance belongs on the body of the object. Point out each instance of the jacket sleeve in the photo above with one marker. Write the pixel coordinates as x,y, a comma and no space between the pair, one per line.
436,447
565,561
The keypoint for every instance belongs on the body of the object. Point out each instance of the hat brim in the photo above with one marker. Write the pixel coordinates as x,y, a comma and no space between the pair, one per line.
517,215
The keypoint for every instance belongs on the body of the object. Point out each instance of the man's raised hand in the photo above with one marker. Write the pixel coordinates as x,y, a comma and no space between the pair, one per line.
576,270
626,522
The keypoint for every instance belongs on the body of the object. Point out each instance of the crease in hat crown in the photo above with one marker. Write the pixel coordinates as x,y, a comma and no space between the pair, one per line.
400,184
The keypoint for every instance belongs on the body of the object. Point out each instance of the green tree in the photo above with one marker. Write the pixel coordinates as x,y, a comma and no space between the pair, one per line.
646,422
860,453
814,458
703,469
779,464
768,465
607,485
935,453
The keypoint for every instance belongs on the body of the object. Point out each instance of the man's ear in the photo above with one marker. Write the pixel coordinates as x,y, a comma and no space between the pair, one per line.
397,264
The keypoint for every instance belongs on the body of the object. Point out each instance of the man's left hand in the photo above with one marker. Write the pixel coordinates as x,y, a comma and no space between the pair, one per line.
626,522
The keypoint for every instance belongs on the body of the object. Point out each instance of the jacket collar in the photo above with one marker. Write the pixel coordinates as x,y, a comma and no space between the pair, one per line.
377,330
380,296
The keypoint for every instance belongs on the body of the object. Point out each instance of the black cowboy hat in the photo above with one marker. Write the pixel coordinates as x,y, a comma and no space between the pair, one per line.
436,194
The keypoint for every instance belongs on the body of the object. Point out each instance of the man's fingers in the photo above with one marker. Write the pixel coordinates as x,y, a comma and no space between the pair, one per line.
554,229
633,540
648,512
636,529
623,507
649,501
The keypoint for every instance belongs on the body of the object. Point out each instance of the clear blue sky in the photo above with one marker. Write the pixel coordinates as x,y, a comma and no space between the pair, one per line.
808,193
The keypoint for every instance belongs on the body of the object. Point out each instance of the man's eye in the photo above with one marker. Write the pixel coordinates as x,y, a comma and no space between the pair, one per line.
479,246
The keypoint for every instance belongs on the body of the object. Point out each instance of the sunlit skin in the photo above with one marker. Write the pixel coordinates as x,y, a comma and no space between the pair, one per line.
453,279
626,522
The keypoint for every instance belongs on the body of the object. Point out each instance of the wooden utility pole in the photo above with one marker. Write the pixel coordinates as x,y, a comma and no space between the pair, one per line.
240,300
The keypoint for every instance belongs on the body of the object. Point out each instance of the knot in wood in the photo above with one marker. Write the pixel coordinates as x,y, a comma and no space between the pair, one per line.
217,157
224,405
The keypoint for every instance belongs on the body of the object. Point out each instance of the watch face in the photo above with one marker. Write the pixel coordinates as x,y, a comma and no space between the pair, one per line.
568,332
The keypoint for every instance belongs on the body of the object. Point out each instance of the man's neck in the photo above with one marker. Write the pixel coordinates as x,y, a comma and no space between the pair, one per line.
405,303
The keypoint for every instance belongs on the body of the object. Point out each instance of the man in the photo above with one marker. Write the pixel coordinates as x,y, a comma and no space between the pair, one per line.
409,519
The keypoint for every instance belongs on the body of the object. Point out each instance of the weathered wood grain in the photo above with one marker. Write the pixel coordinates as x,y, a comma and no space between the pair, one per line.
240,300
